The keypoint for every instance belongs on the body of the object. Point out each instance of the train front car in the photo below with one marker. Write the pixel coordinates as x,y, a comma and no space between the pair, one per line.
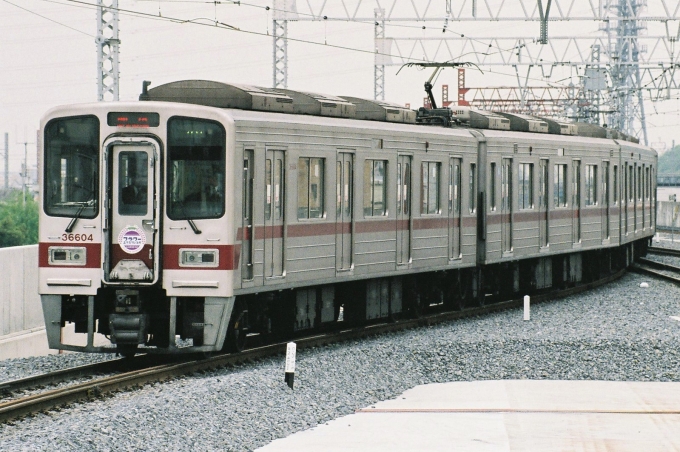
134,237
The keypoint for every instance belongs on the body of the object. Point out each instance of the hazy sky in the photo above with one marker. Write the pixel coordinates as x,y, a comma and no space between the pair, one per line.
48,56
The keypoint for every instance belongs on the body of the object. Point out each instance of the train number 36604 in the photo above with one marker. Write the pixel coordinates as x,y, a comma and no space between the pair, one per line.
76,238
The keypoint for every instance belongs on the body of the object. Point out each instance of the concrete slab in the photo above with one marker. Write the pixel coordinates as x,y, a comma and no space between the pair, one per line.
511,415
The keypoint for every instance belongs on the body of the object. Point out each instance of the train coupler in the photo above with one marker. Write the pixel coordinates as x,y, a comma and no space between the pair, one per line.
128,328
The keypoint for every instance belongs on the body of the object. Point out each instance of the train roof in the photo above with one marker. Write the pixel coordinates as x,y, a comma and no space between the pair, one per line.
255,98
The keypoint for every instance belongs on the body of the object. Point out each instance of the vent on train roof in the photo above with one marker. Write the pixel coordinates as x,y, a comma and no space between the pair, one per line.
246,97
524,123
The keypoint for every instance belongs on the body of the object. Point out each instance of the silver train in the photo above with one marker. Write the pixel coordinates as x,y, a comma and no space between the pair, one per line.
218,213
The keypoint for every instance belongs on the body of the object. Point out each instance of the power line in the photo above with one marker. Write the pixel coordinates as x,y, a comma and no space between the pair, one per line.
47,18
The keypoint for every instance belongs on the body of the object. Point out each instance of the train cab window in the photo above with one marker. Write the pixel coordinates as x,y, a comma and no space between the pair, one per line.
375,188
525,186
559,185
72,167
430,187
310,188
591,185
196,168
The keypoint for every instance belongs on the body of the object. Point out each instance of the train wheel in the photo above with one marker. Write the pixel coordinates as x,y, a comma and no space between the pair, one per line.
238,328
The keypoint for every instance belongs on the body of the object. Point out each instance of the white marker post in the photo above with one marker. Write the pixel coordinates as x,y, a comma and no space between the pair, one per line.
527,308
290,364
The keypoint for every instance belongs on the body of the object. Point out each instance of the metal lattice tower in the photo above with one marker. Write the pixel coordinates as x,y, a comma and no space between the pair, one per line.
107,50
378,65
626,94
280,53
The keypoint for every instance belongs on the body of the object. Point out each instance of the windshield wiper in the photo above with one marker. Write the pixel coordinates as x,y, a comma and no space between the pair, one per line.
186,217
75,218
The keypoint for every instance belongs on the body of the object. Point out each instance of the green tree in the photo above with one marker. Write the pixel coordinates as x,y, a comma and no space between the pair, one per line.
18,221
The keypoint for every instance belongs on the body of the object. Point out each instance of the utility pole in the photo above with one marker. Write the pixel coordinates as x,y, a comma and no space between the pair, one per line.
107,50
24,173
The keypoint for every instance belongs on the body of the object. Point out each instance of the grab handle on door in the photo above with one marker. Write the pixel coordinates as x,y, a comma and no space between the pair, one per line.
149,224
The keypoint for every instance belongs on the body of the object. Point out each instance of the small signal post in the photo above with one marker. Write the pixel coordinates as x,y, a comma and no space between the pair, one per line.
290,364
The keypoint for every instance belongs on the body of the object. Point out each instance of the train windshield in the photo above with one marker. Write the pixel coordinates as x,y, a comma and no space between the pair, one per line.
72,167
196,167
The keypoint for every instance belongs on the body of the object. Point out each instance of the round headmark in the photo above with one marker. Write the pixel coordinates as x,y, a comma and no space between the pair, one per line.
131,239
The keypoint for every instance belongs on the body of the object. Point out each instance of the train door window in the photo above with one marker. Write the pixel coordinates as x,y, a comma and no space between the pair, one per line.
310,188
591,185
133,180
278,189
375,188
560,185
525,186
605,201
473,187
268,189
492,186
639,183
71,167
647,183
196,168
403,187
430,188
631,183
454,186
615,184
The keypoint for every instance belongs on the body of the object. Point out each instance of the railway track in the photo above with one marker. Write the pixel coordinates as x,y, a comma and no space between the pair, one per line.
664,251
98,387
658,269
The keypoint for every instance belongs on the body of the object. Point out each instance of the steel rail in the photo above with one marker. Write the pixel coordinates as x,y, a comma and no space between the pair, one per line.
656,269
664,251
93,389
72,373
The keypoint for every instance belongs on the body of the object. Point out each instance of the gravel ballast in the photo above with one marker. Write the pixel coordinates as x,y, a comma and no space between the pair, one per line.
618,332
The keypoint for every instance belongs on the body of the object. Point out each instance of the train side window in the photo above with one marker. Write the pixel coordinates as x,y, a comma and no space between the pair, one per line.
473,187
648,184
525,186
639,183
430,187
310,188
559,186
375,188
591,185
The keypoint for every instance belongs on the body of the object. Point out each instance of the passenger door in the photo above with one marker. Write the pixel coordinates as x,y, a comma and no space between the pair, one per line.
576,201
344,176
605,201
133,239
274,215
454,208
247,220
506,206
404,210
543,203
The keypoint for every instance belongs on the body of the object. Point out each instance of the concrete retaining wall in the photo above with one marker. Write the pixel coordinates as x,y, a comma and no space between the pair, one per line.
22,329
668,214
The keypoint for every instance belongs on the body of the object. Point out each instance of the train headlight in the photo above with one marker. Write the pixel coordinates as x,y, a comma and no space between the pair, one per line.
198,258
67,255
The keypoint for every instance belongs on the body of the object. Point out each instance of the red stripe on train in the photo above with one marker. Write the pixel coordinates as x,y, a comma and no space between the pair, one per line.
93,254
228,258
